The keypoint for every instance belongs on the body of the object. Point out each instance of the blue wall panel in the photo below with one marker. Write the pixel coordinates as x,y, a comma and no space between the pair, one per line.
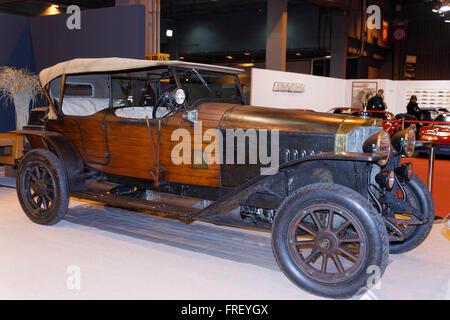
16,51
39,42
109,32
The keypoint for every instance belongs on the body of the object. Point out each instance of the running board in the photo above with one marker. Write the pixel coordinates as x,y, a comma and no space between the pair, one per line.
178,211
413,221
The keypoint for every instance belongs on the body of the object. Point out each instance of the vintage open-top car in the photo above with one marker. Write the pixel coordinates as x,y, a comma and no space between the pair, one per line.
179,139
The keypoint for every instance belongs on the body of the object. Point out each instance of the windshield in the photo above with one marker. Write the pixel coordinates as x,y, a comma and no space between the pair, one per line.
443,118
201,84
143,88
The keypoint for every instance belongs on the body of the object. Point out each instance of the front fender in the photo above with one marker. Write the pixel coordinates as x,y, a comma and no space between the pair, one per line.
344,168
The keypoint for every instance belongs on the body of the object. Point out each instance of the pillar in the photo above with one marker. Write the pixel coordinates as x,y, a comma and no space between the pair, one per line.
276,35
152,22
338,63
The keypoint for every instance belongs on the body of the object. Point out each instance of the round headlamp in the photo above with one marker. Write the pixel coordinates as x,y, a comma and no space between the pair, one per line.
180,96
175,96
405,141
386,179
410,143
379,143
404,171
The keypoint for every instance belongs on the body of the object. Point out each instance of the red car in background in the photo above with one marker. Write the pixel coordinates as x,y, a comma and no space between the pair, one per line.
438,133
391,127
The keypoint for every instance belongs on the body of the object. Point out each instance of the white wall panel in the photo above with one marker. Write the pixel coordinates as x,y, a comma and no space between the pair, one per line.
323,93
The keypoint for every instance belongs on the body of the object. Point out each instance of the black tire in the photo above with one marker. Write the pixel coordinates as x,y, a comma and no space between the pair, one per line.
422,200
42,187
366,222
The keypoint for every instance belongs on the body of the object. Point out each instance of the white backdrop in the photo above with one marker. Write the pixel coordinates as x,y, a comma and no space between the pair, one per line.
323,93
403,86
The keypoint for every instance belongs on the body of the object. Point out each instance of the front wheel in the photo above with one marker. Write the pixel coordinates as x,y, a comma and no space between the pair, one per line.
42,187
419,198
328,240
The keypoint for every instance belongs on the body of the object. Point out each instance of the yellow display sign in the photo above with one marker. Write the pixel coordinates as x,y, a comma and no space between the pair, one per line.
157,56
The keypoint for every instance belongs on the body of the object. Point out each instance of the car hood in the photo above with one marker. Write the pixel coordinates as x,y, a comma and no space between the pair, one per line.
289,120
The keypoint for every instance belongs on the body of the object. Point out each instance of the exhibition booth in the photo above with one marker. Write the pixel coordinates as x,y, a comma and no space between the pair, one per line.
324,93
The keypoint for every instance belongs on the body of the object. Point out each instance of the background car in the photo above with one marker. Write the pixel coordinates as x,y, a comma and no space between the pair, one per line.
438,133
431,113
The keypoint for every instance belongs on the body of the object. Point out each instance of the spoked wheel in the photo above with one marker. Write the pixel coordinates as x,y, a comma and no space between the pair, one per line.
326,236
413,201
41,187
327,242
419,198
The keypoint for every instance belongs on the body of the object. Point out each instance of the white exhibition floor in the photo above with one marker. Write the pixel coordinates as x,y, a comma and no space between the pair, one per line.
128,255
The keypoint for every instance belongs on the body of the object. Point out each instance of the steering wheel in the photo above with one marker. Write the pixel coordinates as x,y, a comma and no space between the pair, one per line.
169,105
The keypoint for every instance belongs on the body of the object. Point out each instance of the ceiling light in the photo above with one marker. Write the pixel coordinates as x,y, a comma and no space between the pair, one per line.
298,54
52,9
447,20
229,57
169,33
181,58
250,64
247,53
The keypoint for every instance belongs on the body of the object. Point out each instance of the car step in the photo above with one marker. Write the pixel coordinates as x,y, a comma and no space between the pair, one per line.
178,211
411,221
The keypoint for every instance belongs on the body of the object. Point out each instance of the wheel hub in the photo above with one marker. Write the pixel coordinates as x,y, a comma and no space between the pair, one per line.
40,187
326,242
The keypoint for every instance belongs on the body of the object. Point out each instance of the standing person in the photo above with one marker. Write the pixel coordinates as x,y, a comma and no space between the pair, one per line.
413,107
377,102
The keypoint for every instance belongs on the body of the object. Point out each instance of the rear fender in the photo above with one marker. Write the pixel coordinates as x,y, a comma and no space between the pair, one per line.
64,149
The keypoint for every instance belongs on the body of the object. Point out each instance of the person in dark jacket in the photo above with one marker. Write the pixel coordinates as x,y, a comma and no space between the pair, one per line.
413,107
377,102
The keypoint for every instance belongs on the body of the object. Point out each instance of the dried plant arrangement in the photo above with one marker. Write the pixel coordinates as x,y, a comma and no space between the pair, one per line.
20,87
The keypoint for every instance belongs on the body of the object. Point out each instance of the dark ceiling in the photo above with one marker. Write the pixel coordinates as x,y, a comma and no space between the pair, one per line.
37,7
170,9
173,9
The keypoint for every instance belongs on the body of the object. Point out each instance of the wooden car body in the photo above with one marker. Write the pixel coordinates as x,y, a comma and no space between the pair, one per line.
102,133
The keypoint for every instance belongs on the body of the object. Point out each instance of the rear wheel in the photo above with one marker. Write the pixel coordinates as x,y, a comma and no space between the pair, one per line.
42,187
327,238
